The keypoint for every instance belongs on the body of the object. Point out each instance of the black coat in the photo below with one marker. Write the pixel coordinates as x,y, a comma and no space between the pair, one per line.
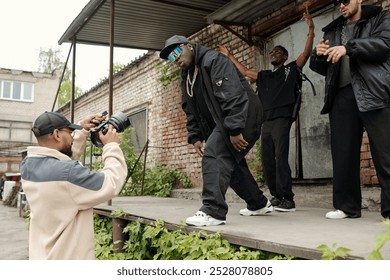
222,97
369,53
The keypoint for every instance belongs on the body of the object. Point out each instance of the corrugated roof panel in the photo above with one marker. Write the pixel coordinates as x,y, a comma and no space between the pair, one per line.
147,24
142,24
247,11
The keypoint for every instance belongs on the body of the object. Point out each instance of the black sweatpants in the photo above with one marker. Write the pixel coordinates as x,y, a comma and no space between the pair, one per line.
220,169
275,142
347,126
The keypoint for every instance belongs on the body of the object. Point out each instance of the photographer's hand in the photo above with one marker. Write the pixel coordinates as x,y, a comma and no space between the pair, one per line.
92,121
111,136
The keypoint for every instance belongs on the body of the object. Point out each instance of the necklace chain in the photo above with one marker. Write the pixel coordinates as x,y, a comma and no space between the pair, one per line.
344,39
190,90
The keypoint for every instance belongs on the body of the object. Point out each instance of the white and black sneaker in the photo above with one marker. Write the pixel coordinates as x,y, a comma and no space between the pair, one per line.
262,211
201,219
336,214
285,206
275,201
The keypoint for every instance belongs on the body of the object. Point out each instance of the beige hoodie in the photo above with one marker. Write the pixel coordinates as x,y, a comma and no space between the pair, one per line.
62,193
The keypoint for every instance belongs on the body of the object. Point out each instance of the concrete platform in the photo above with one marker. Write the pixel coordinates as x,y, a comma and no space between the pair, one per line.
297,233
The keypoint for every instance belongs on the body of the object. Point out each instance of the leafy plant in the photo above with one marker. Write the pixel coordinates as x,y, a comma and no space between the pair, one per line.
334,252
155,242
380,241
94,154
118,212
104,247
160,180
167,74
134,164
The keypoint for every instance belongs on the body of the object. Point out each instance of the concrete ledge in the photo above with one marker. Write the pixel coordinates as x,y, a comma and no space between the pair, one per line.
297,234
319,196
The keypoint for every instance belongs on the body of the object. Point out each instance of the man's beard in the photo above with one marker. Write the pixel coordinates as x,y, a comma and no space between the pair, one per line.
353,12
67,151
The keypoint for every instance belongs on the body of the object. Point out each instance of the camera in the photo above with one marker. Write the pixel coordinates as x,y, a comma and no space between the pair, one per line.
119,121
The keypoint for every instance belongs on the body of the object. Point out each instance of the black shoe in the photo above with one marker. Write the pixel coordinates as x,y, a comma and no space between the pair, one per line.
285,206
275,201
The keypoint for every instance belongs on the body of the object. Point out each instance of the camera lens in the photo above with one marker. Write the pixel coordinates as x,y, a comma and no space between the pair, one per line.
119,121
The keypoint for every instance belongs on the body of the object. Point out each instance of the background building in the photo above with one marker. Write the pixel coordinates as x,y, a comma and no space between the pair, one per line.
23,97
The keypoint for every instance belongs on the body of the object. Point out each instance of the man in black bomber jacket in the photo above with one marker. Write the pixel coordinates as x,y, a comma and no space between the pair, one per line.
223,111
354,58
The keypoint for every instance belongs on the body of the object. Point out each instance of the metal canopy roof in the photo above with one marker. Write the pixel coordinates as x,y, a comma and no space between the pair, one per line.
246,11
146,24
139,24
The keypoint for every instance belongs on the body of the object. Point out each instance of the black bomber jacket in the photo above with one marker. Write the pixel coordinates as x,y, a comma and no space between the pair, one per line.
221,97
369,53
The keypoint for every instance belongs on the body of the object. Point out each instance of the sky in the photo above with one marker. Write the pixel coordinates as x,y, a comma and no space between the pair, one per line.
28,25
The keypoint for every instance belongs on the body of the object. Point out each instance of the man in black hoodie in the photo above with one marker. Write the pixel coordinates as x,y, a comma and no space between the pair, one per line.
222,110
354,58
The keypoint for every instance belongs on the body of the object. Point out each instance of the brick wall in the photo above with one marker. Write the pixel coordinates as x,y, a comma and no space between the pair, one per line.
367,169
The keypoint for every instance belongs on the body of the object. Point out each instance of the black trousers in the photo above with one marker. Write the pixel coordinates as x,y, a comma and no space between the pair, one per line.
275,142
347,125
219,170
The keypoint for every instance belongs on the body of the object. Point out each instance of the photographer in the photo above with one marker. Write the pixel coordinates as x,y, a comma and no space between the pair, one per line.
61,192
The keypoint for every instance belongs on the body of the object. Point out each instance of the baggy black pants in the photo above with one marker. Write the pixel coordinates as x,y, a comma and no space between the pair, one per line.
220,169
275,142
347,126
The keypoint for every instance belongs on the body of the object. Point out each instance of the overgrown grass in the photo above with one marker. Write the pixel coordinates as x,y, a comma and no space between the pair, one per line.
155,242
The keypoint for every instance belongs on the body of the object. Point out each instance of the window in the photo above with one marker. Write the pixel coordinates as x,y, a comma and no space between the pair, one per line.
6,89
28,91
17,91
138,121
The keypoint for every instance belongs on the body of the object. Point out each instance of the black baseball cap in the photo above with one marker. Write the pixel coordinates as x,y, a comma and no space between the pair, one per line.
171,44
49,121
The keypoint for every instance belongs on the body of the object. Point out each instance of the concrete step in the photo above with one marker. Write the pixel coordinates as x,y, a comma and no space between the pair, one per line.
306,195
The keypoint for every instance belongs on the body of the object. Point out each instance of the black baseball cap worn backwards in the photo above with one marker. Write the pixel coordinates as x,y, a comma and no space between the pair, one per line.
171,44
49,121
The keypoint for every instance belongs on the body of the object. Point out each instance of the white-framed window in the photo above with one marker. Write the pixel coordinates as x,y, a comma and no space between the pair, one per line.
16,91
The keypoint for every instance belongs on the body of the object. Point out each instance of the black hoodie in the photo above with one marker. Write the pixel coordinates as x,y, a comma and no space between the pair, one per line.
222,97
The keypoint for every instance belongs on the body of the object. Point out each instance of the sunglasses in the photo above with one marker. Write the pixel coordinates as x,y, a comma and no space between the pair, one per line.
339,2
175,54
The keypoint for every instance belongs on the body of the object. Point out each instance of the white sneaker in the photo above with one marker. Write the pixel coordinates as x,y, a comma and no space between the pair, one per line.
262,211
336,214
202,219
